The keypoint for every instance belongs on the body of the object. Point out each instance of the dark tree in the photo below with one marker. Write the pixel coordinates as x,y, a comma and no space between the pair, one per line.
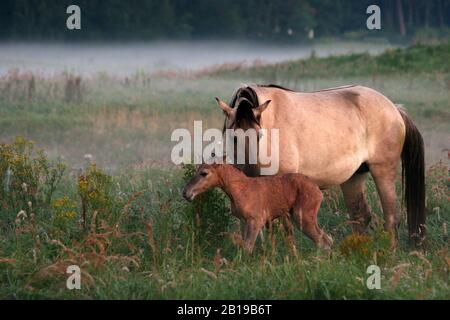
401,18
250,19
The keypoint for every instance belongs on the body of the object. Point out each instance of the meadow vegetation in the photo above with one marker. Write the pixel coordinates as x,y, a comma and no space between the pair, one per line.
104,196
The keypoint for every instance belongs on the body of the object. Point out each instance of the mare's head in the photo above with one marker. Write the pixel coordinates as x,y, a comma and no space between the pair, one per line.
244,112
205,178
243,115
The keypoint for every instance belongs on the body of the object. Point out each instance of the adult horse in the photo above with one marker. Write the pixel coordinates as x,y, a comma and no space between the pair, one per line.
337,136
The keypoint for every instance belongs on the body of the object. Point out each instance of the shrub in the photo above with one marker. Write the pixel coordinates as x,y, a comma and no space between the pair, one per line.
64,215
365,248
28,177
94,188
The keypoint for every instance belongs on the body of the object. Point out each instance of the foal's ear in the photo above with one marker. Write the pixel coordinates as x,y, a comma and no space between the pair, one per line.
225,107
260,109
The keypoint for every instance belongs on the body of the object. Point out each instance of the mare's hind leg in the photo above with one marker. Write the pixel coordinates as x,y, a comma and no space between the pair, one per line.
354,191
384,176
305,217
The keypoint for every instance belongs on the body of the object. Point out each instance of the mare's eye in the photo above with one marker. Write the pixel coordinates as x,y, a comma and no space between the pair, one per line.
204,173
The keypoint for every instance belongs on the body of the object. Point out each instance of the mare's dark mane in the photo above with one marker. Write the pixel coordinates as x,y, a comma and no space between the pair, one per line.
275,86
247,95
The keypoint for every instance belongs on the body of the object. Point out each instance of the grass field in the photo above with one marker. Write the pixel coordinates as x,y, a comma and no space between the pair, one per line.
105,196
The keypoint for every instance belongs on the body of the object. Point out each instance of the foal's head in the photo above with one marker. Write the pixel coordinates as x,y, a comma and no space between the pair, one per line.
205,177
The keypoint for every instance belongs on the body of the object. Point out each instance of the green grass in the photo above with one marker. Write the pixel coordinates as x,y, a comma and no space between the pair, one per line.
142,240
415,60
122,258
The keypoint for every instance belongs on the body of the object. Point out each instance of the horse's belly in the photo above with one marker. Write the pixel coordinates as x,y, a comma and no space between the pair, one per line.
332,174
327,162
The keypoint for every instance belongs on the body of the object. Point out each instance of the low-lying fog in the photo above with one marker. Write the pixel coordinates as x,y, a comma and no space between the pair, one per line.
128,58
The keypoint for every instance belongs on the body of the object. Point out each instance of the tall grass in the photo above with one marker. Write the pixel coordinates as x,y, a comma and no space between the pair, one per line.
134,237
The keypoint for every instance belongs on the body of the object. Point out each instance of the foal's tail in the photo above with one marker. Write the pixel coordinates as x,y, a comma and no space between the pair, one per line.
413,179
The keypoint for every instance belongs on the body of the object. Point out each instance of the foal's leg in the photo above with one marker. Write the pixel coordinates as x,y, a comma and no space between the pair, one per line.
289,229
243,226
252,229
305,217
354,191
384,176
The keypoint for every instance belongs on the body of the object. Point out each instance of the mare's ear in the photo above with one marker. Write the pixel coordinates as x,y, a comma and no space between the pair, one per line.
229,112
260,109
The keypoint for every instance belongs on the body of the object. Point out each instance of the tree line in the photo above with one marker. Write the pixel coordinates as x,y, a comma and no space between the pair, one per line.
186,19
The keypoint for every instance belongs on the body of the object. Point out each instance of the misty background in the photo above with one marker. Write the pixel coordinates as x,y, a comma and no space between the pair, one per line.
138,69
185,35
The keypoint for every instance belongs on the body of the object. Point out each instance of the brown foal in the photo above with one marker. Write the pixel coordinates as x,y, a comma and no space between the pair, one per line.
259,201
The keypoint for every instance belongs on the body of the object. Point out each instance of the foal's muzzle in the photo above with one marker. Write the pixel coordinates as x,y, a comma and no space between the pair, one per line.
187,195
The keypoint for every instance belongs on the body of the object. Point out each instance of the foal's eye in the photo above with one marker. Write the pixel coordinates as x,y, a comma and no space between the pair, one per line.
204,173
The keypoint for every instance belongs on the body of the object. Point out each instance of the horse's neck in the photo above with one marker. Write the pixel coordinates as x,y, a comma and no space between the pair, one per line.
232,181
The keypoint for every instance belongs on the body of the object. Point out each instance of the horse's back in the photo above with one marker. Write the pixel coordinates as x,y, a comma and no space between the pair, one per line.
328,134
